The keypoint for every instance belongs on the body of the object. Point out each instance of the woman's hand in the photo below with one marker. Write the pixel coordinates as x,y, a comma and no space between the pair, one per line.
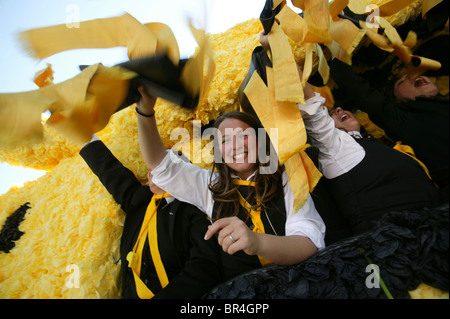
264,40
147,102
234,235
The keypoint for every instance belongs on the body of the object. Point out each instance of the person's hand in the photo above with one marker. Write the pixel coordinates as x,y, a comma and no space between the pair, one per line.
147,102
234,235
307,90
264,40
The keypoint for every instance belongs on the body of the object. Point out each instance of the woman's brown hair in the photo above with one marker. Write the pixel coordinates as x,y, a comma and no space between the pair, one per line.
224,192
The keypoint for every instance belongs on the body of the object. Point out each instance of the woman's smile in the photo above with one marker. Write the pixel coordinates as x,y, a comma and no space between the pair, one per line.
239,146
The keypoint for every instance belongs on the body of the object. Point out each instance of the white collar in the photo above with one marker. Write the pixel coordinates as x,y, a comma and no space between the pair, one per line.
355,134
248,178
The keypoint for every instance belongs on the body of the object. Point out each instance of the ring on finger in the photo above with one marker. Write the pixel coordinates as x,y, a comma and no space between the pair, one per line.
232,239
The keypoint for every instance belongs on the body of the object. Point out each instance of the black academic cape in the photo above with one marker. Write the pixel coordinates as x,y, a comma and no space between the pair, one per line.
192,264
385,180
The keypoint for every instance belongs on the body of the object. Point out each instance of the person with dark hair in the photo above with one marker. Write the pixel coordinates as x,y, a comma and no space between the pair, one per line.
251,207
416,115
407,87
162,250
365,177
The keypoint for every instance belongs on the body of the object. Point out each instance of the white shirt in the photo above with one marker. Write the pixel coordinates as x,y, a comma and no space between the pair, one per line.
189,183
339,152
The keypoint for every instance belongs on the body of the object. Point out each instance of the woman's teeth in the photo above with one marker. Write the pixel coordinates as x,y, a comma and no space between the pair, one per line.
419,82
239,156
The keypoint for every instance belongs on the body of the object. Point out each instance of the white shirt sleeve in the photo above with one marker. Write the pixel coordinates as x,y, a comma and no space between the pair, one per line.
306,221
189,183
93,139
184,181
339,152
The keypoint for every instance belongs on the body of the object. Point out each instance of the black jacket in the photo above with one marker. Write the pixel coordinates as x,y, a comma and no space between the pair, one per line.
192,264
421,124
385,180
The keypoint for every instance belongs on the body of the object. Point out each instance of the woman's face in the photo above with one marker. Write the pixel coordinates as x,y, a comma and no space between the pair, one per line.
408,88
239,146
345,120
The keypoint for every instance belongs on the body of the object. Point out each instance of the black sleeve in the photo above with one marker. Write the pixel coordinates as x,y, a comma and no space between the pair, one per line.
358,94
202,269
120,182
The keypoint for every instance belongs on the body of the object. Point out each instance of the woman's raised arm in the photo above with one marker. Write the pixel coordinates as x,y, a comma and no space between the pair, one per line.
150,142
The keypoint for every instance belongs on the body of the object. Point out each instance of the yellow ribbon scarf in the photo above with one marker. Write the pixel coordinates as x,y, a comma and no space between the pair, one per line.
408,150
255,215
134,257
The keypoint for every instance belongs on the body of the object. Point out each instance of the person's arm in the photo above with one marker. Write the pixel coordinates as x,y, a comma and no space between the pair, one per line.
120,182
338,151
150,142
184,181
359,94
169,172
281,250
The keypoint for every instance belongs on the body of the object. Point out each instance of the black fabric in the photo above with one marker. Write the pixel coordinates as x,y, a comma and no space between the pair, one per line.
10,231
160,77
192,264
384,180
267,16
337,227
438,16
259,62
421,124
436,48
409,247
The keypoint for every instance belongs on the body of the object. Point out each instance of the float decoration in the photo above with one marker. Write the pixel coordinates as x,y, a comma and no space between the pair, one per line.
73,226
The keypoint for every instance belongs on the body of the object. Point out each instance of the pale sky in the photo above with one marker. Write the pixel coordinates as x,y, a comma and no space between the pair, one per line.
17,69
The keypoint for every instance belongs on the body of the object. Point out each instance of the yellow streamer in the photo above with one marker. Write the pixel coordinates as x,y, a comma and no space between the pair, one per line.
289,138
192,74
293,25
282,120
123,31
83,105
288,87
303,177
